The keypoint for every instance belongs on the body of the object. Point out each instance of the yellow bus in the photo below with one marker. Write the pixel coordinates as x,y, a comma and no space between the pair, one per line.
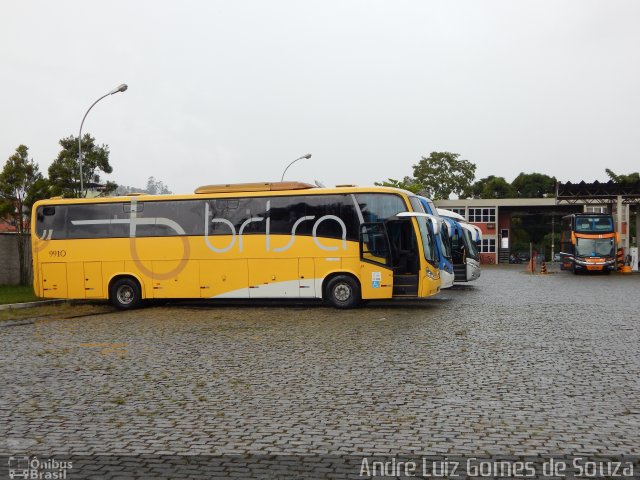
261,240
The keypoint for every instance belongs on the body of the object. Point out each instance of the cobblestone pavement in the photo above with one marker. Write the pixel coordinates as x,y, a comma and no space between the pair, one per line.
510,364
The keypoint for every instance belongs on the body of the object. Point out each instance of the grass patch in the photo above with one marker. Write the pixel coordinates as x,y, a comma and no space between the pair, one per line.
16,294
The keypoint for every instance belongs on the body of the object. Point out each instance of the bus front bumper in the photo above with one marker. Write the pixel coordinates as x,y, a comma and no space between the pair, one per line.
473,270
605,266
446,279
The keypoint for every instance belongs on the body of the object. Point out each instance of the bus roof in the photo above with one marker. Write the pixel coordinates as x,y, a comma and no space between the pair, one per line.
588,214
448,213
233,191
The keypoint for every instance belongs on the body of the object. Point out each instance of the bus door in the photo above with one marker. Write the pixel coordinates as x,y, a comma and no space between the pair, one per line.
377,277
405,257
458,253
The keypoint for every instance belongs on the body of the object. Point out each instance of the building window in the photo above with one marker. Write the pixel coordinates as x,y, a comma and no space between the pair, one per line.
482,215
460,211
591,209
488,245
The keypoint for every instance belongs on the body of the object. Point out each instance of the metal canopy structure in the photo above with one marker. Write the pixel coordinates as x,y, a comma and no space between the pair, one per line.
598,193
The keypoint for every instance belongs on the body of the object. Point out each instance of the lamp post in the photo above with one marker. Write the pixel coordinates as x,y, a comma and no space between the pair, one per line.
120,88
307,156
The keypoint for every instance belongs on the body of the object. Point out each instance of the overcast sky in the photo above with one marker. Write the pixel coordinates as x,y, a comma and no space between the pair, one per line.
232,91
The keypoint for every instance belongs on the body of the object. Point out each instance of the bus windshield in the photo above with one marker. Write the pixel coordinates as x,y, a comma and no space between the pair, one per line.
445,242
594,247
472,249
427,240
594,224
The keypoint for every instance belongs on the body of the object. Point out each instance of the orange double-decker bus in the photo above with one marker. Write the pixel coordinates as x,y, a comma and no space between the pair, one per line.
588,243
265,240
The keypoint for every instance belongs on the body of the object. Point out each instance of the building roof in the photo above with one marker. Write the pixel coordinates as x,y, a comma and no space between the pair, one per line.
566,193
496,202
597,192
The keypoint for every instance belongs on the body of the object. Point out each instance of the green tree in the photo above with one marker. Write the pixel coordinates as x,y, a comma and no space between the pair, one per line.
443,173
156,187
64,173
626,179
21,185
534,185
526,228
407,183
492,187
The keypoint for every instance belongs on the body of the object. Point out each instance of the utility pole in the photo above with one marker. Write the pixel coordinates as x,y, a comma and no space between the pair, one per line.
553,238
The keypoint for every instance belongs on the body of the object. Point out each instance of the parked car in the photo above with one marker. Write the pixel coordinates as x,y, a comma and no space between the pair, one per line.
557,257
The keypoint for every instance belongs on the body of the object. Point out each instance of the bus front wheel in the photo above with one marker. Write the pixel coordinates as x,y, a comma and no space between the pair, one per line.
343,292
125,294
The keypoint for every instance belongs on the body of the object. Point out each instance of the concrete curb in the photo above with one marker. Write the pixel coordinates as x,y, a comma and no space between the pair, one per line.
41,303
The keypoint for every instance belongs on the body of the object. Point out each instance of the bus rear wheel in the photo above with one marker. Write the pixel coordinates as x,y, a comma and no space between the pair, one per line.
343,292
125,293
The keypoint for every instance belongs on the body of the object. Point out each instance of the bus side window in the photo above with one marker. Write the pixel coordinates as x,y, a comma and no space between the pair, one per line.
379,207
237,211
78,215
186,215
285,211
373,243
50,222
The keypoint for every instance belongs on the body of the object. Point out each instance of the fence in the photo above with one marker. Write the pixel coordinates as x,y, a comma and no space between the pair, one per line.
9,259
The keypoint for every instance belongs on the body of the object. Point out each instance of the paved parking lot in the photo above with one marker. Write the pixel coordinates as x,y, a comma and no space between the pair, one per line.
511,364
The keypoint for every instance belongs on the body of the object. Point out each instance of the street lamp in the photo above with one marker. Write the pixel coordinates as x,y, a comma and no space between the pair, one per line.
307,156
120,88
